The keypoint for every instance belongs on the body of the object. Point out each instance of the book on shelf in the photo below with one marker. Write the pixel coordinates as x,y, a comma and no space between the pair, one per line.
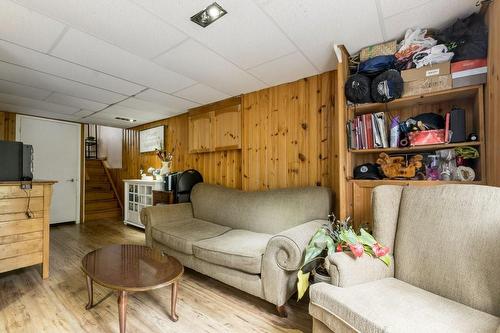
368,131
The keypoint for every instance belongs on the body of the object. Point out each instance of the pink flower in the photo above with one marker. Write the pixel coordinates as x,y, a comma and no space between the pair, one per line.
380,250
357,249
339,248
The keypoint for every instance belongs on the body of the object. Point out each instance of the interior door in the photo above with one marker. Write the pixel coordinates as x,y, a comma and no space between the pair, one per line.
56,146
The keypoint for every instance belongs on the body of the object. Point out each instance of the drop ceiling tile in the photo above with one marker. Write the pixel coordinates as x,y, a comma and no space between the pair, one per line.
203,65
37,104
139,104
26,27
429,15
36,79
246,36
391,7
42,62
121,23
202,94
170,101
36,112
83,113
120,111
79,103
12,88
315,26
279,71
91,52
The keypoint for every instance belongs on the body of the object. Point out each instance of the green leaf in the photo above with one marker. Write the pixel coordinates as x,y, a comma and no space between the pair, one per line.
330,244
302,284
386,259
366,238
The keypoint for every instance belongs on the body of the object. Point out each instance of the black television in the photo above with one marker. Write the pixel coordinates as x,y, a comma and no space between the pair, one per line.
16,161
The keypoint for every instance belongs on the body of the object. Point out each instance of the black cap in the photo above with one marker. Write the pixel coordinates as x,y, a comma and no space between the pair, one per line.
367,171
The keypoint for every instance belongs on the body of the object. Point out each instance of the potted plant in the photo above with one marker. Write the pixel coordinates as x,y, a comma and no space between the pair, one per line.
166,160
336,236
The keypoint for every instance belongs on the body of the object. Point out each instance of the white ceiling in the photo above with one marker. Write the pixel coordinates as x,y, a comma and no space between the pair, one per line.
94,60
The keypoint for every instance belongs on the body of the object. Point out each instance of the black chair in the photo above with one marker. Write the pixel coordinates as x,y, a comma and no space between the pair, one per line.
185,182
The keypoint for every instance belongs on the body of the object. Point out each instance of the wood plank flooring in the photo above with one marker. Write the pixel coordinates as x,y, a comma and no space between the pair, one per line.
29,304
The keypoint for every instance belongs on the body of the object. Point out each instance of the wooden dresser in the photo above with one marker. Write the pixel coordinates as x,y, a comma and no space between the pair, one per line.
24,225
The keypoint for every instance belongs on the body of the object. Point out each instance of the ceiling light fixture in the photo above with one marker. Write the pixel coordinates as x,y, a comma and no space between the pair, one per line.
126,119
209,15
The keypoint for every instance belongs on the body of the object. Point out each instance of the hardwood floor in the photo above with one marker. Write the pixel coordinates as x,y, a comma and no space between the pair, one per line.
29,304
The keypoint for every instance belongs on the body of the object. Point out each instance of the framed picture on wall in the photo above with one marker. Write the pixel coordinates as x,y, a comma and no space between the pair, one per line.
151,139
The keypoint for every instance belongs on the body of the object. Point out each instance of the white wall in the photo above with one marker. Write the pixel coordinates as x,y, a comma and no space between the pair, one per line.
110,145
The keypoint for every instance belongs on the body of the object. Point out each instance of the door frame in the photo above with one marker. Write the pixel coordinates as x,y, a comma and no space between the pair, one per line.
78,186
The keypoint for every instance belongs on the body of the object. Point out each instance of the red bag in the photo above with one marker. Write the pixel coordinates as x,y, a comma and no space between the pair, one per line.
432,137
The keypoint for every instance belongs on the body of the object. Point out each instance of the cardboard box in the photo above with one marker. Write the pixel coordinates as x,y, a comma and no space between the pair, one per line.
431,84
471,80
426,72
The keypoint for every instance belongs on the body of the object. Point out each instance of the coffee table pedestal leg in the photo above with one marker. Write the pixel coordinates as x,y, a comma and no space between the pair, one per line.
90,291
173,302
122,310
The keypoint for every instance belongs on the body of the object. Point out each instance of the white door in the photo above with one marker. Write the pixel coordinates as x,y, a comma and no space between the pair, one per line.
56,146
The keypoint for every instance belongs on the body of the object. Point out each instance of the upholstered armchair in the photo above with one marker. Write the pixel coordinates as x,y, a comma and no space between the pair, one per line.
445,274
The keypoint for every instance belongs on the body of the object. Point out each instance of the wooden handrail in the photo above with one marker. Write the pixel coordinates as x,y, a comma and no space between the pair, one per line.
103,162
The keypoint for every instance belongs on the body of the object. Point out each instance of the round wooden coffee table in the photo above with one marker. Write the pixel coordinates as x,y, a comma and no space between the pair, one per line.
131,268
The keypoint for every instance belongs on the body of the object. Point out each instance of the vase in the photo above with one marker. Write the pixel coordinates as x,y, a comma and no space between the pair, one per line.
165,168
318,277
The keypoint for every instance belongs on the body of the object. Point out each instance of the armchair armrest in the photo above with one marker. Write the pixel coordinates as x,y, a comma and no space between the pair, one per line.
346,271
162,214
282,259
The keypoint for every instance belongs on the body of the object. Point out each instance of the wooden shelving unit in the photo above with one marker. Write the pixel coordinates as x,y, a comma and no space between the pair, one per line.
416,149
355,195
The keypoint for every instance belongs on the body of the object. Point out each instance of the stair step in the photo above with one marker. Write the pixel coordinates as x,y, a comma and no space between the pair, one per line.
99,205
103,214
95,195
93,187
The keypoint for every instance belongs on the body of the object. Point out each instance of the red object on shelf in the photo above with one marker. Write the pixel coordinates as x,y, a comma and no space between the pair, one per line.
432,137
468,64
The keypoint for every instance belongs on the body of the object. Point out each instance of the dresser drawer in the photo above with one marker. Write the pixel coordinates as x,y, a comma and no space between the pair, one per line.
20,227
20,248
25,260
21,237
15,191
19,205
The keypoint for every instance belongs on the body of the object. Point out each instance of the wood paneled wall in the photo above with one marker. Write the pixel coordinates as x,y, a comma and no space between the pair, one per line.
7,126
287,140
287,135
222,168
493,96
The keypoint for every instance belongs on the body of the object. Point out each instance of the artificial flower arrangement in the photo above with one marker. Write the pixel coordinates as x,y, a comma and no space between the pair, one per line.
165,156
338,236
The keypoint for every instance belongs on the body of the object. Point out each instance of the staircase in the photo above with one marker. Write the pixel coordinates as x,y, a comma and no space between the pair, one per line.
100,199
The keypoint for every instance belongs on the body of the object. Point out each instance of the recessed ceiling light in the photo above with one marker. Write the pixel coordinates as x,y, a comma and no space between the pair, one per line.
126,119
209,15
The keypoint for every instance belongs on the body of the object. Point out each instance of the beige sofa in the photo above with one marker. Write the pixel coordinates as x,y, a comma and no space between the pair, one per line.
253,241
445,275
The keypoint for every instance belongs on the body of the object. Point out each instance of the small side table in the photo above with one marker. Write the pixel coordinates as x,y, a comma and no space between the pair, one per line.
163,197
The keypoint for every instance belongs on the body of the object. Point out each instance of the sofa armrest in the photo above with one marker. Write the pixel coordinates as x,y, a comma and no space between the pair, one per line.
346,271
162,214
283,258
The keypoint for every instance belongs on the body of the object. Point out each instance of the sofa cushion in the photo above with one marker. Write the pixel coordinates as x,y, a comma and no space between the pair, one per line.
391,305
447,242
180,235
270,211
238,249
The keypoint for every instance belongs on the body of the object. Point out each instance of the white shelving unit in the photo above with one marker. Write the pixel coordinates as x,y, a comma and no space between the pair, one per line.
138,194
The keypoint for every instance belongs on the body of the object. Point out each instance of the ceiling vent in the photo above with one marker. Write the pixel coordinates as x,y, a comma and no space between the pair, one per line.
209,15
126,119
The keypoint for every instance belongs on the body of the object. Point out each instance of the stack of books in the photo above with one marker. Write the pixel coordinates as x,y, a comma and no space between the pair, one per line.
368,131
